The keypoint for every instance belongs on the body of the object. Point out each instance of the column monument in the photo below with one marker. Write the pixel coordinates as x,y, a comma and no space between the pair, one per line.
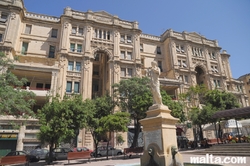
159,130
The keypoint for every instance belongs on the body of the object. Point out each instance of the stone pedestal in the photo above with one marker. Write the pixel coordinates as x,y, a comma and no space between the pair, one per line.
159,137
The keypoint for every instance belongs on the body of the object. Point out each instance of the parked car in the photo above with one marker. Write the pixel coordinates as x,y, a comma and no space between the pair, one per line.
102,151
80,149
59,154
41,153
32,158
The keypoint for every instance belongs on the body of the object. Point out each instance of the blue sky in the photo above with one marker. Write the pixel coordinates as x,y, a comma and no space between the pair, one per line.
227,21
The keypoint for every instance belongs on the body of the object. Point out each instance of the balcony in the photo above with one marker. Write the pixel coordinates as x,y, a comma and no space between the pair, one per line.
38,91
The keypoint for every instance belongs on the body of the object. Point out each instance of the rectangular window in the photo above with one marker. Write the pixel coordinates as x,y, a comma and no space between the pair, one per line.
158,50
69,87
80,32
47,86
129,39
54,33
24,48
4,16
100,34
1,37
39,85
52,51
178,48
122,38
182,49
97,57
186,79
218,83
28,29
96,33
129,56
179,63
104,35
72,47
108,35
73,30
123,72
160,65
181,77
184,64
130,72
76,87
78,66
122,55
79,48
70,66
141,47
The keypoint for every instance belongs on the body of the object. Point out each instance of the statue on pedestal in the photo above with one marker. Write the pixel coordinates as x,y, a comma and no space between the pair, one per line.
155,83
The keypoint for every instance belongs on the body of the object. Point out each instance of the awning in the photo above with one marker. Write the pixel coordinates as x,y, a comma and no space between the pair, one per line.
233,113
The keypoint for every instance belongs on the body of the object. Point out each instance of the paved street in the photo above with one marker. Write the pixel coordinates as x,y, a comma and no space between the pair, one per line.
135,160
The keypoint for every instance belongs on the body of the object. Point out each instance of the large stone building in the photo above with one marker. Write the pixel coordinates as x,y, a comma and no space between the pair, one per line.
246,80
87,52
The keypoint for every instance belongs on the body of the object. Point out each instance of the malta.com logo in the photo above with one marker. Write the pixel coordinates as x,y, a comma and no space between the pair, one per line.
210,159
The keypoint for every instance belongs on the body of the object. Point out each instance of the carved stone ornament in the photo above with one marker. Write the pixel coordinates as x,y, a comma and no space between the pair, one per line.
88,28
136,37
13,16
86,65
116,33
173,44
116,68
138,71
66,25
177,75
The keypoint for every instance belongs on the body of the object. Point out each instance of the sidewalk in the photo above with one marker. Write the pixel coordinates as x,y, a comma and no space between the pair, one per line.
134,161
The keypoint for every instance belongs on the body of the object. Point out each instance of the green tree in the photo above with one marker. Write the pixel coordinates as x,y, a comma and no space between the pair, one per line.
13,100
103,106
134,95
214,100
116,122
176,107
60,119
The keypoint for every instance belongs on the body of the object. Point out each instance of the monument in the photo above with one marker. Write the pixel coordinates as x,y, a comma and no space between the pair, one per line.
160,145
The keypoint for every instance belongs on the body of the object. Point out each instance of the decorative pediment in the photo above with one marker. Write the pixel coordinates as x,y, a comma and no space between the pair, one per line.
195,34
103,14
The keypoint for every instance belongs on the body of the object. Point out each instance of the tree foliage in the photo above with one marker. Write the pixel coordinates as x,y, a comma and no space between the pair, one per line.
116,122
103,106
13,100
61,119
212,101
134,95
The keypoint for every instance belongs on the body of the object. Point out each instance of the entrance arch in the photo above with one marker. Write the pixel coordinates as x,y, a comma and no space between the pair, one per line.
101,74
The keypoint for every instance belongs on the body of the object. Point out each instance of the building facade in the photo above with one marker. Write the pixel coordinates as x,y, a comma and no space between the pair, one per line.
246,81
87,52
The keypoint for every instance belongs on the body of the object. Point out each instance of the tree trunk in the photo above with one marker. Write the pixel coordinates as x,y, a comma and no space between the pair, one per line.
201,133
108,146
136,133
50,159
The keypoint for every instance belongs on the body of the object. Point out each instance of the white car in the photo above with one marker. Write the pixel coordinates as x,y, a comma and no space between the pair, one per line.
102,151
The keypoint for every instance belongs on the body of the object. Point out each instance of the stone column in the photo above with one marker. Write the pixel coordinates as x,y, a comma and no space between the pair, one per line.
136,51
65,36
20,138
53,87
13,27
116,45
88,37
87,78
